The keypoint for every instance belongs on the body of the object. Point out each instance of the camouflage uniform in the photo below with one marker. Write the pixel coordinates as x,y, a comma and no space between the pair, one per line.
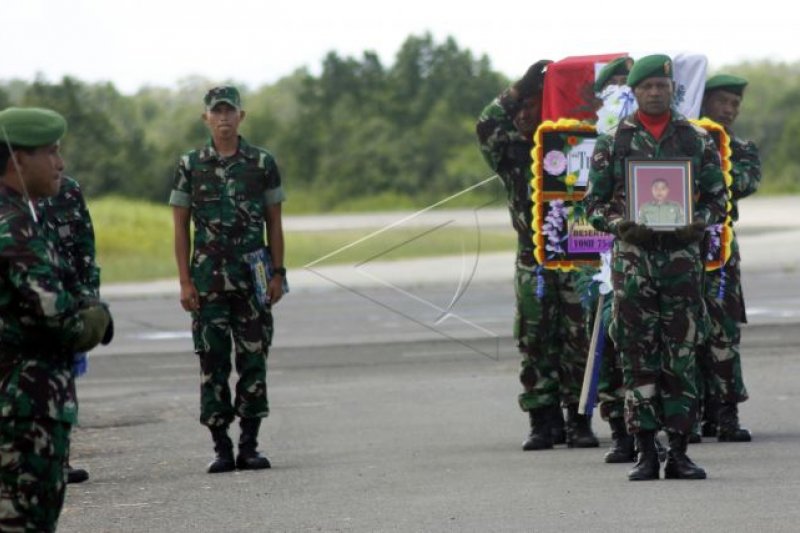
68,225
549,317
610,383
228,198
39,327
720,357
658,314
67,219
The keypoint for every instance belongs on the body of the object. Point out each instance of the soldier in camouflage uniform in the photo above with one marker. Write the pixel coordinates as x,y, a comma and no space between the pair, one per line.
720,360
41,327
549,317
610,386
230,190
658,314
69,225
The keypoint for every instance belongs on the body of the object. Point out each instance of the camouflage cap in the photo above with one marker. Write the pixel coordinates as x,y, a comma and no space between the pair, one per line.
31,127
654,66
620,66
727,82
225,93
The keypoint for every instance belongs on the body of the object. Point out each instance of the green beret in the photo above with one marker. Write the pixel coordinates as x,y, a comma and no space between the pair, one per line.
732,84
655,66
31,127
225,93
619,67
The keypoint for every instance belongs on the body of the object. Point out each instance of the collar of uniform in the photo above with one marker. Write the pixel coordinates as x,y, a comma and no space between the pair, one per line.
209,153
13,195
631,121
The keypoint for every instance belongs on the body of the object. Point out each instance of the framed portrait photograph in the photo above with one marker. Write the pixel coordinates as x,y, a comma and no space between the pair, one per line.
659,192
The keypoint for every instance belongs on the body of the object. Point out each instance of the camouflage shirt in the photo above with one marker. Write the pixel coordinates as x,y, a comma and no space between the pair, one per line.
745,171
605,198
228,198
38,320
69,226
509,154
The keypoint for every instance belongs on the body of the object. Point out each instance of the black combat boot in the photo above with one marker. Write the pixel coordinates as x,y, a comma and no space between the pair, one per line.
729,429
710,417
647,464
557,425
579,430
621,450
248,458
223,445
76,475
541,437
679,466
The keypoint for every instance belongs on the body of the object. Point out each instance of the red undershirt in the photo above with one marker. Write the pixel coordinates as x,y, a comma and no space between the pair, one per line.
654,124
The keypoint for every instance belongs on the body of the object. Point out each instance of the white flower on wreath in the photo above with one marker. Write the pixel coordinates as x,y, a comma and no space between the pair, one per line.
604,276
618,102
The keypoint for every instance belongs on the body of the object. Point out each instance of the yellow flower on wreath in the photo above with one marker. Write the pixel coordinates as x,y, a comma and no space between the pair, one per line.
571,180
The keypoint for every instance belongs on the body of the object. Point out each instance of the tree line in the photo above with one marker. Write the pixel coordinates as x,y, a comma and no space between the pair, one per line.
358,130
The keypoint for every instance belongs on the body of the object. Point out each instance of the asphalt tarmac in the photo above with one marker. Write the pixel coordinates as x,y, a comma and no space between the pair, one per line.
393,390
395,410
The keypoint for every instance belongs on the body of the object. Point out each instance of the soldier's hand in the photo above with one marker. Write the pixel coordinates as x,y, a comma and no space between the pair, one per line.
694,232
95,322
533,80
634,233
275,289
190,301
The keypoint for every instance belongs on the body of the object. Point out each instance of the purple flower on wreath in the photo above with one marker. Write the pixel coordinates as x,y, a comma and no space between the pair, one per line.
554,228
555,162
540,282
722,283
714,241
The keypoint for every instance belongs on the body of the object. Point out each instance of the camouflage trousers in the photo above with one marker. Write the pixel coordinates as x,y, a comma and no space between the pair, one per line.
611,385
719,359
658,318
33,459
224,316
549,328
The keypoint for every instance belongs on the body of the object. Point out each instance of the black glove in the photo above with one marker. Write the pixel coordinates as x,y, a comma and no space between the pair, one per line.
95,323
533,80
633,233
694,232
108,335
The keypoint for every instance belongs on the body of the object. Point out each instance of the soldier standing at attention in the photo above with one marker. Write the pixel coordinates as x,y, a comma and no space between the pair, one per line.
41,327
720,357
230,190
549,323
658,313
70,228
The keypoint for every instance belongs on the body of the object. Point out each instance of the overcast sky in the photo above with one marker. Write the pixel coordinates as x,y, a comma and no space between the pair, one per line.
134,43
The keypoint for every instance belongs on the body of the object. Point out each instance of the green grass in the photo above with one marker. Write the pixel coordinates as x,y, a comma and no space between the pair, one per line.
134,242
134,239
348,247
